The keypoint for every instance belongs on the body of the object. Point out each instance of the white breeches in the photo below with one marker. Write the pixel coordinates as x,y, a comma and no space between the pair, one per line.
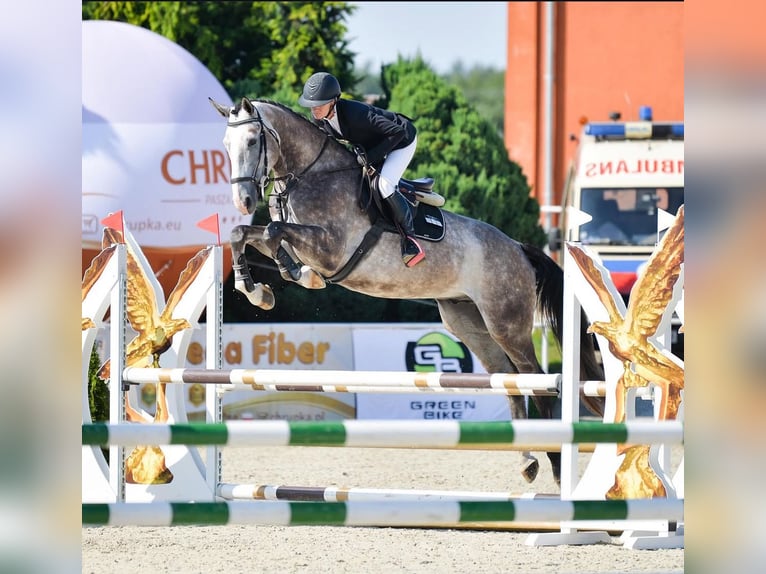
394,166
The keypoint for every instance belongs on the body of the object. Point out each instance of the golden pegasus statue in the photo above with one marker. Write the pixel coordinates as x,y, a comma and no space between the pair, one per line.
629,341
155,331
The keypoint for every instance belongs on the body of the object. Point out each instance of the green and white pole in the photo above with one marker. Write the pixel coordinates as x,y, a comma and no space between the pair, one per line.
388,434
390,513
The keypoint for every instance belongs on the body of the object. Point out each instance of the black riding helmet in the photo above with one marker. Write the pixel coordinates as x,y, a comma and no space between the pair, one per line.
320,89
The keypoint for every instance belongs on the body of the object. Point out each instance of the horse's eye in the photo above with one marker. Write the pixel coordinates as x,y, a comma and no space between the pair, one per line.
251,142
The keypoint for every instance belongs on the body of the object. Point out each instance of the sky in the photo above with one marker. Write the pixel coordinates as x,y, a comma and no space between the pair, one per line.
442,32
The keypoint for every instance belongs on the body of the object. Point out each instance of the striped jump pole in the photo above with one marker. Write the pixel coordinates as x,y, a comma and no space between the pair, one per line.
386,433
230,491
340,381
277,380
395,513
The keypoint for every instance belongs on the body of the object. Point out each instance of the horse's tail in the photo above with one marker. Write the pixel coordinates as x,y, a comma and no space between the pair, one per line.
550,294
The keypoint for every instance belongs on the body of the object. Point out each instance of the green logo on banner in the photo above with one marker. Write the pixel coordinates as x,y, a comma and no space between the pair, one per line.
437,352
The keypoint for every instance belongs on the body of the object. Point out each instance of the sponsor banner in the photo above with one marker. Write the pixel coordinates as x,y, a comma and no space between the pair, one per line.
151,142
293,346
292,406
165,177
433,406
421,349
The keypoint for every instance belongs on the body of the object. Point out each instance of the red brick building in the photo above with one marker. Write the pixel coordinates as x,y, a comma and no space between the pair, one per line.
606,57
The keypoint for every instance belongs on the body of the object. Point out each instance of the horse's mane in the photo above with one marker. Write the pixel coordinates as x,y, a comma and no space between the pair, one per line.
292,112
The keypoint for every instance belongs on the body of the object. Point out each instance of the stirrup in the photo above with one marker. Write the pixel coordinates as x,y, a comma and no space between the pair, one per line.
412,259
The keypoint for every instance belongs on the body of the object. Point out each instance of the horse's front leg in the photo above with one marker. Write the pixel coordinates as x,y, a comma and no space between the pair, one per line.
280,238
258,294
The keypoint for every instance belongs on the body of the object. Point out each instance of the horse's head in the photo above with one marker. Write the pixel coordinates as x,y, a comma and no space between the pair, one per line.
253,148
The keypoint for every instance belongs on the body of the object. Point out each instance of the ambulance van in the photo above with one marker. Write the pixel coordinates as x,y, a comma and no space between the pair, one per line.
623,175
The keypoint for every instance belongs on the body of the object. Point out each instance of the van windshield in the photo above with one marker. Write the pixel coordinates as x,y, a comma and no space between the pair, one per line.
626,216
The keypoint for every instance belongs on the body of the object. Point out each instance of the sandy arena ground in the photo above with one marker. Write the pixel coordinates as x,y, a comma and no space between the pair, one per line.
347,550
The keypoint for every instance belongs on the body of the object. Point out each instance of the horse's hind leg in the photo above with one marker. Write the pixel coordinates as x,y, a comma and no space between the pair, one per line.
516,340
464,321
545,407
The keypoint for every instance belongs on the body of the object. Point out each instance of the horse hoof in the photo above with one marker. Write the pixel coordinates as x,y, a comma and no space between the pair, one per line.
310,279
267,298
529,472
260,296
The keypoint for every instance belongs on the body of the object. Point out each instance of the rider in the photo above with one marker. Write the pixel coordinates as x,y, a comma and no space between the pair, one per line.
387,138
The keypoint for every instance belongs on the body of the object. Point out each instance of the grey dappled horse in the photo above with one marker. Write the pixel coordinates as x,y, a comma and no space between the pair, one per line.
487,286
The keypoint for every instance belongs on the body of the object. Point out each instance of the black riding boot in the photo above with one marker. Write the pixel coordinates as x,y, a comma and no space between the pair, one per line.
412,253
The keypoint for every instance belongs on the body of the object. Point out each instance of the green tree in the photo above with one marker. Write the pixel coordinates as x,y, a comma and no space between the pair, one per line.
255,49
333,304
484,87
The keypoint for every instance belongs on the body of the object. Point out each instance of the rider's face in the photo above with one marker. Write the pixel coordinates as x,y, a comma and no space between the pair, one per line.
323,112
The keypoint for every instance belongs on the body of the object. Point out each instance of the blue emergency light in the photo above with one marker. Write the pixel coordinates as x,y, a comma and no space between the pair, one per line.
635,130
643,129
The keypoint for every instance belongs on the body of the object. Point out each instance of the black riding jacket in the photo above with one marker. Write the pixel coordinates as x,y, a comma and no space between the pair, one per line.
376,130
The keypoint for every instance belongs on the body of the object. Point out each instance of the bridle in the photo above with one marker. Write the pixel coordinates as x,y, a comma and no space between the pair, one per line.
263,156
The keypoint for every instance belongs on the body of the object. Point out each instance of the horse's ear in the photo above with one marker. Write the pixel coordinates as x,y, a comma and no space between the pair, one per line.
223,110
247,105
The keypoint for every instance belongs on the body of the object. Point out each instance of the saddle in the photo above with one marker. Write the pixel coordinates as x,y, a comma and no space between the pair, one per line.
427,217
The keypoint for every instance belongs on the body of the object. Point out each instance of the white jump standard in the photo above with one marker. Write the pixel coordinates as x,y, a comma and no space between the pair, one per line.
578,511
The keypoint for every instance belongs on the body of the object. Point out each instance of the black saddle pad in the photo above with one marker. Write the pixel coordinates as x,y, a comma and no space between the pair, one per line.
429,222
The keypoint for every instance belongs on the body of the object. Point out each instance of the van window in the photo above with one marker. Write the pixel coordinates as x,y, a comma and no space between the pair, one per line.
626,216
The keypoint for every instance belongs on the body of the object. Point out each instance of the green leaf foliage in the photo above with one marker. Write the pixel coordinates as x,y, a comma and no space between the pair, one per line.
333,304
484,88
98,390
255,49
